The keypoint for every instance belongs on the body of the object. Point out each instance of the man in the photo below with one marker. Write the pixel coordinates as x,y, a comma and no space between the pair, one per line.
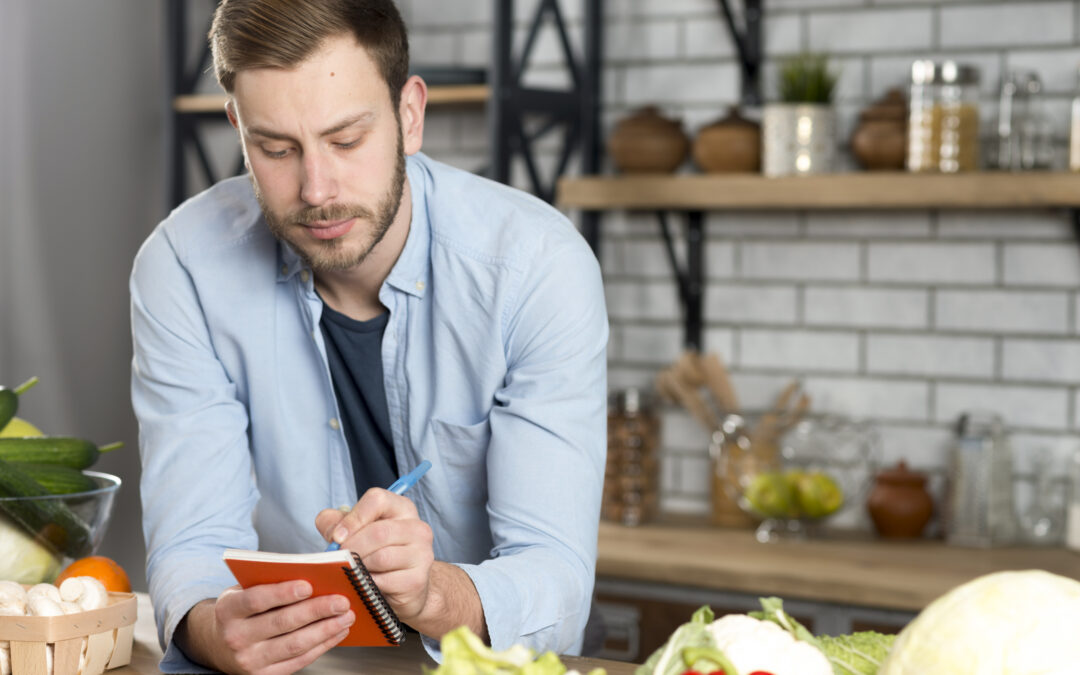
305,335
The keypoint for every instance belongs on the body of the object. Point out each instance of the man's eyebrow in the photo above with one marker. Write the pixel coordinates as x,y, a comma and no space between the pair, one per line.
361,118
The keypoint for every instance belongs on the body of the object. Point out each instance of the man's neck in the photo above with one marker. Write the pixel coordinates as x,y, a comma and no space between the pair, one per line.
355,292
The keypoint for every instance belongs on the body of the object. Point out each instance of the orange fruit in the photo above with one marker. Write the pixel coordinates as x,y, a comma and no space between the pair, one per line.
105,570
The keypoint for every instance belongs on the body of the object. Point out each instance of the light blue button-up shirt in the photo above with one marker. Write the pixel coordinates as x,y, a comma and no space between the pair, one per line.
495,370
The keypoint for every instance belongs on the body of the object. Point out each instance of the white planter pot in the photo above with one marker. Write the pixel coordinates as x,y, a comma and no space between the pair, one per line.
797,139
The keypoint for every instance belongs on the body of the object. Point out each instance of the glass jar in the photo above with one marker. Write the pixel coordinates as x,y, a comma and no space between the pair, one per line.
1072,516
979,508
630,478
943,122
1074,129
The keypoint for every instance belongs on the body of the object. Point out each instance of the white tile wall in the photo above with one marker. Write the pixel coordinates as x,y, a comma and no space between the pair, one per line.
906,318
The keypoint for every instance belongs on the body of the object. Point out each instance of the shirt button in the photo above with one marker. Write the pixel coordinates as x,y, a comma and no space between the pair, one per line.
419,285
334,424
284,269
304,276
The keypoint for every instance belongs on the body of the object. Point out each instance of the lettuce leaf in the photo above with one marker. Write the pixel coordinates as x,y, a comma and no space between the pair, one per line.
773,610
667,660
859,653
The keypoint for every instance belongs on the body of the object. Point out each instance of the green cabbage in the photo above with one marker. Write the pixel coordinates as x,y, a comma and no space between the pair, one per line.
1008,623
22,558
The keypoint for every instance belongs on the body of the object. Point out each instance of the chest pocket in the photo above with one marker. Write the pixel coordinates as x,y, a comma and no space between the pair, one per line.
463,454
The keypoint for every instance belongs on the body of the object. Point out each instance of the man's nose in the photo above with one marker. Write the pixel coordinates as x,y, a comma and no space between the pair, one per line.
318,185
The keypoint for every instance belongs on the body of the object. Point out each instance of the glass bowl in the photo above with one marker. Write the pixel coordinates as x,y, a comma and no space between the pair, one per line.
39,536
794,482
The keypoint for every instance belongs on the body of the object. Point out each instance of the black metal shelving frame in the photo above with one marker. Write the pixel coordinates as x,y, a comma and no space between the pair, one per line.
511,105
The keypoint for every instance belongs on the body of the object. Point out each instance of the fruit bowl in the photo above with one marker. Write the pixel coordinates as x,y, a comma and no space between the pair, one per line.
39,536
793,483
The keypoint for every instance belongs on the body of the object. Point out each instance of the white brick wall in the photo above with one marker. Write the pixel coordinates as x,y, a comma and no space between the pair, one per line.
907,318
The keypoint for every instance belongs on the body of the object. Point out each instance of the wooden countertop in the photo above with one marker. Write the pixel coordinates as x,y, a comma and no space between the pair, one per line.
406,660
894,575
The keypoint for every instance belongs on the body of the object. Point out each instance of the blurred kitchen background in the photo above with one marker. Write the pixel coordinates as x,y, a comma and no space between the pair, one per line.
899,319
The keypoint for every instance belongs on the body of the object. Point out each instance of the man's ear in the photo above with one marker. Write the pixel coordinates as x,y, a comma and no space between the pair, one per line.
411,109
230,112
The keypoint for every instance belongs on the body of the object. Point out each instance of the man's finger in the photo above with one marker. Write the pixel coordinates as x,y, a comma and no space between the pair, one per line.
376,504
285,620
236,602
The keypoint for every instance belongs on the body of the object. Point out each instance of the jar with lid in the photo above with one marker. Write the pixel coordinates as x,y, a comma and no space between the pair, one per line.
979,507
943,122
630,479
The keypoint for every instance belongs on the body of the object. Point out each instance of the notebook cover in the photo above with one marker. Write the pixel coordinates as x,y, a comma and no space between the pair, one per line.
327,577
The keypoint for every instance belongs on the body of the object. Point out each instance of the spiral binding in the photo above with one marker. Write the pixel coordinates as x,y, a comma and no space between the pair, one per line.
375,602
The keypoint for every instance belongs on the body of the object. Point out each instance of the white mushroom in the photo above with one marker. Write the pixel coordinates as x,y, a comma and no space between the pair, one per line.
87,592
47,590
70,607
40,605
5,659
12,599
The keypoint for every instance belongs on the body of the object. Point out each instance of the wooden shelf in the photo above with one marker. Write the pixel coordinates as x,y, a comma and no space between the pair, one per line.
870,190
458,94
904,575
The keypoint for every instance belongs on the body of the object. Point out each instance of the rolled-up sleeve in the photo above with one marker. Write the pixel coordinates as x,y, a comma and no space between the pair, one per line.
196,488
546,457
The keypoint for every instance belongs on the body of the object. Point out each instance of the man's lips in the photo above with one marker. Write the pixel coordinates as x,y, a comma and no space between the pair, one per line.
330,229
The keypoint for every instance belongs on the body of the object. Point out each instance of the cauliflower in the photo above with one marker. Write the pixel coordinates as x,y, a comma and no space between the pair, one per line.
752,644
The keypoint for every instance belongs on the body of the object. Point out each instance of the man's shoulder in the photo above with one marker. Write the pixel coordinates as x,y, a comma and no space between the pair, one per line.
474,214
219,218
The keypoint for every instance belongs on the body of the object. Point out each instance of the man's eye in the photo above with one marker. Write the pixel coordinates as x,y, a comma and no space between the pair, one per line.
275,154
345,145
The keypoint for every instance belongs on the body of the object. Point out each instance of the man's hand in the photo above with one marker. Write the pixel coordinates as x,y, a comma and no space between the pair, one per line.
273,629
396,548
395,545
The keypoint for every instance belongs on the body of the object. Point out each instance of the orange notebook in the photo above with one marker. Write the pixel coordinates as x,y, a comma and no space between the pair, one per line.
330,573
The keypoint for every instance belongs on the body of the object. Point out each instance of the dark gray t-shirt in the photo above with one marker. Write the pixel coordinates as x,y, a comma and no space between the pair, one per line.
354,350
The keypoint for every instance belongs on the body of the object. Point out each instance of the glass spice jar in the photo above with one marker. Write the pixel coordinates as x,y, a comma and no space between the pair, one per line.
943,118
630,478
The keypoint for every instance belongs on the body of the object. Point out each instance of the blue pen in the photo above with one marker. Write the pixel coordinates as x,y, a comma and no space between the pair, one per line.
398,487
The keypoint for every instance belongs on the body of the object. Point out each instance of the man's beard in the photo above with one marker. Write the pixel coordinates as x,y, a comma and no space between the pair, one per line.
333,255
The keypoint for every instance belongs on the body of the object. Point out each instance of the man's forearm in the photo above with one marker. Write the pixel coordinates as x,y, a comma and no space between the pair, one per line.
452,602
196,633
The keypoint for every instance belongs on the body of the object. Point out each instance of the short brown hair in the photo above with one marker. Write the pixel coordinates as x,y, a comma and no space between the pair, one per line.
283,33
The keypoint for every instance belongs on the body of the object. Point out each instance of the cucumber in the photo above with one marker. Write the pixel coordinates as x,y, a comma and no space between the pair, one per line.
9,400
59,479
74,453
48,520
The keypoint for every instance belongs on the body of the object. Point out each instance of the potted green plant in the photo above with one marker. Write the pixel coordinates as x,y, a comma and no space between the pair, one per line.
799,131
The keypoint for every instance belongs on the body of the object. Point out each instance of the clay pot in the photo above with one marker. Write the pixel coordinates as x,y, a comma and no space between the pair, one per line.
879,142
899,505
730,144
646,142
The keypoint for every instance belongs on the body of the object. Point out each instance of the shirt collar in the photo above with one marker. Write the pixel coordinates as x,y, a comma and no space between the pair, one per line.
411,273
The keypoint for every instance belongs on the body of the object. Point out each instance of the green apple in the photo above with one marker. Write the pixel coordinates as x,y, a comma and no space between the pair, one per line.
20,427
771,495
817,494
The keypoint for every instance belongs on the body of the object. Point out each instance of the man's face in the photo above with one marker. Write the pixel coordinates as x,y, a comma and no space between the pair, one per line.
324,146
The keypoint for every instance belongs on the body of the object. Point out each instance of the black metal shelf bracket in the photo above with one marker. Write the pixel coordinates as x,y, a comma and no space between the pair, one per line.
574,110
689,276
748,45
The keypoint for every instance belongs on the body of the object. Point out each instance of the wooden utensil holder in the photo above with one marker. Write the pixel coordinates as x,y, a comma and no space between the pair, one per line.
109,633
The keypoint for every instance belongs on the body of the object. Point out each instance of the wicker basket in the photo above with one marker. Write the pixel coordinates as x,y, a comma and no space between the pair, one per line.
108,632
